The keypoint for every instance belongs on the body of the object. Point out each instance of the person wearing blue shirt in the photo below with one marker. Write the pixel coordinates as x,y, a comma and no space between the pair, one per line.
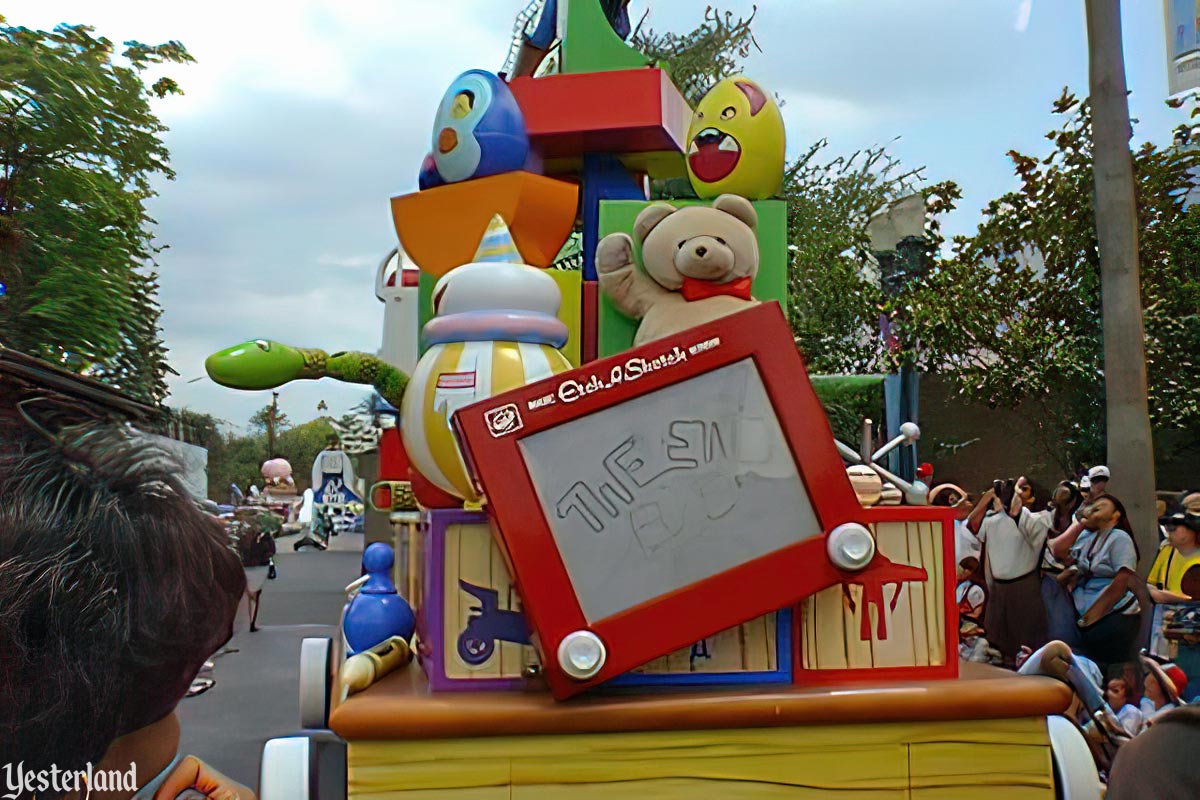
1095,550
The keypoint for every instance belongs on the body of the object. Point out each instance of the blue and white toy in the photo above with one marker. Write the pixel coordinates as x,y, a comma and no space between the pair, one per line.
479,130
377,612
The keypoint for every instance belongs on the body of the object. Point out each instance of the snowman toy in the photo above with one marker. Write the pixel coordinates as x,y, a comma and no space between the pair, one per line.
495,328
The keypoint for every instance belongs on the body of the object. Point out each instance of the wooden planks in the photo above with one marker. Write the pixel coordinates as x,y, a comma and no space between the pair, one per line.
831,619
472,556
749,647
984,759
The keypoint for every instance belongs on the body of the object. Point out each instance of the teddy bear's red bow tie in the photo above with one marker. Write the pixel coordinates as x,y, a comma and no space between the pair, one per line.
694,289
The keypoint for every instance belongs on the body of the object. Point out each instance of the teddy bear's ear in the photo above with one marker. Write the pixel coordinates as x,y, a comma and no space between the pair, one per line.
739,207
651,215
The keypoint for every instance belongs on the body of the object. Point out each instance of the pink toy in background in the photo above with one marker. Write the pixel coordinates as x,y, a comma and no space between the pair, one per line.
277,472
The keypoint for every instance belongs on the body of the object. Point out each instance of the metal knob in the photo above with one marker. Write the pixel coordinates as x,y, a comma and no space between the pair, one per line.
581,655
850,546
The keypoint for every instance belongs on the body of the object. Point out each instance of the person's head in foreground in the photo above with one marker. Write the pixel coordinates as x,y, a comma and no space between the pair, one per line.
114,589
1160,762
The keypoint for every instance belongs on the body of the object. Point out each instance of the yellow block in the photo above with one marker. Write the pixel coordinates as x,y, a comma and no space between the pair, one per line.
570,283
984,759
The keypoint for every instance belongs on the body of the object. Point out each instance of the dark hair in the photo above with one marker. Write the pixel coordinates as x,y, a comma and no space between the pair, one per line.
1124,524
944,498
1125,687
612,7
1073,491
114,589
1075,501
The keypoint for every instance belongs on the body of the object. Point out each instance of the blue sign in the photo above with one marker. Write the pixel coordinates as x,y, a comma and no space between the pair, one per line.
334,491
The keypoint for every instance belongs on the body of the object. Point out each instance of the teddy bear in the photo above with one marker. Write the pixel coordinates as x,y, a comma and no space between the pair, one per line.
699,264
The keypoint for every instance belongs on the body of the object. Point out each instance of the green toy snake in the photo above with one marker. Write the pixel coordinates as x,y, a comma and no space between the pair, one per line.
263,364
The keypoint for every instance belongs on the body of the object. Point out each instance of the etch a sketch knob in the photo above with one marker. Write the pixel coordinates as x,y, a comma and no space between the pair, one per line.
850,546
581,654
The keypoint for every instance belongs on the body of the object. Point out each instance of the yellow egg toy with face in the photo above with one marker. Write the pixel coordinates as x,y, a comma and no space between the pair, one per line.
736,142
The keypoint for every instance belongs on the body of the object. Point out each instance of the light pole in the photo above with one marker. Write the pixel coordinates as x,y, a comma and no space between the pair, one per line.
271,424
1130,448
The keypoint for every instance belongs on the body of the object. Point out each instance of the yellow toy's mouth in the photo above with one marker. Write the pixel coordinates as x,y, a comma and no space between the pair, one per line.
713,155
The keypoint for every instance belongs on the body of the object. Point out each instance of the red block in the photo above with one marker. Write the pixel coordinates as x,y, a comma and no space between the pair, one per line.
393,461
629,112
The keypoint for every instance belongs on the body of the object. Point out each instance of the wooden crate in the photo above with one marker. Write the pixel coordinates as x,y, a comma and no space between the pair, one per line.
463,564
920,629
460,558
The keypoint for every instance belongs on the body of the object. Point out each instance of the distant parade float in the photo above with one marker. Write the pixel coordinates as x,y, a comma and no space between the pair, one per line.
624,478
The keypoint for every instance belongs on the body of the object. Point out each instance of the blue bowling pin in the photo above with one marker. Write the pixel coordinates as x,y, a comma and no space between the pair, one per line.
377,612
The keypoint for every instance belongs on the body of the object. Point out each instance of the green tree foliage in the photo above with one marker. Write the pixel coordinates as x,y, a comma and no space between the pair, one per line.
697,60
848,400
835,300
300,445
260,420
1014,315
79,146
234,459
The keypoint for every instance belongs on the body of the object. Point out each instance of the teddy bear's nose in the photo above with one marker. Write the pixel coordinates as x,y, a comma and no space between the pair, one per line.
701,250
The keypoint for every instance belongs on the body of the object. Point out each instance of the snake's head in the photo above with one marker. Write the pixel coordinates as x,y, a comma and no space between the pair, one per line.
257,364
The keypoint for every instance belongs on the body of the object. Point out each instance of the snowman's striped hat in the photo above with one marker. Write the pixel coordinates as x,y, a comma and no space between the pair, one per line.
497,245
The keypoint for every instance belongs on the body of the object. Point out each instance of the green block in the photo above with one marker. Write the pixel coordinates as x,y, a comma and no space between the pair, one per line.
616,331
425,286
589,43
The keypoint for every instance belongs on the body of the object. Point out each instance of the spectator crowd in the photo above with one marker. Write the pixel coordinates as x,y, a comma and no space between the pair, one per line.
1035,568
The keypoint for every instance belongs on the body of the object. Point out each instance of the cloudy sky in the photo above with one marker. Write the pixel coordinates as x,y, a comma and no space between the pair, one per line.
302,119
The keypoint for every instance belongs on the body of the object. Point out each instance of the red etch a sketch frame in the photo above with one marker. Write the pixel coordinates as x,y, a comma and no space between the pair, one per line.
607,558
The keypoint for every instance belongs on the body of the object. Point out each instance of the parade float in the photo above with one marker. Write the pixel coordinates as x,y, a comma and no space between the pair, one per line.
638,565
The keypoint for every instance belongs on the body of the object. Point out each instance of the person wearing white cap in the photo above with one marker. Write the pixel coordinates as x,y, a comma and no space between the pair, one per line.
1097,482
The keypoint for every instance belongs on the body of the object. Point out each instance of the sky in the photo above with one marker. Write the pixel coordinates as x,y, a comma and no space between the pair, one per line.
300,121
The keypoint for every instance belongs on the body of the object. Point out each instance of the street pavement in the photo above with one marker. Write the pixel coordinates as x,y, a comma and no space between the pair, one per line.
256,696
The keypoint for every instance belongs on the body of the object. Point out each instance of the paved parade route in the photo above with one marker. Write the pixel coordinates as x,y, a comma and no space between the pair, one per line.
256,693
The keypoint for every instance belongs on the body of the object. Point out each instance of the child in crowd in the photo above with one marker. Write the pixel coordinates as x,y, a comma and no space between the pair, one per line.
970,595
1117,694
1165,685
